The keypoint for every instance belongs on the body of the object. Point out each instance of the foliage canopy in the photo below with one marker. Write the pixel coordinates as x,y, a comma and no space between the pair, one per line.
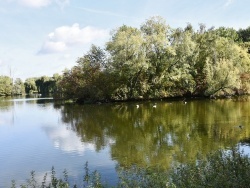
157,61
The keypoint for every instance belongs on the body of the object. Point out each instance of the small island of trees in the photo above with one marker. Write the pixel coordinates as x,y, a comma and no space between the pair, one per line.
152,62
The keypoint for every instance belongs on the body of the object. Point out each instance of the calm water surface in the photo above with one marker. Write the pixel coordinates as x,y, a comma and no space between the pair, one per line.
36,134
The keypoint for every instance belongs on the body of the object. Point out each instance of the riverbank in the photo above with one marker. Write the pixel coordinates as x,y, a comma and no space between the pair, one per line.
167,99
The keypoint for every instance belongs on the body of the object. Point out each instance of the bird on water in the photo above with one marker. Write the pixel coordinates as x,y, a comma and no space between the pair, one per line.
240,126
184,101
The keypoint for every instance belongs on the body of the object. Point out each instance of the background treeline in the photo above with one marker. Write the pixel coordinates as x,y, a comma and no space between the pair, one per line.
157,61
9,87
42,85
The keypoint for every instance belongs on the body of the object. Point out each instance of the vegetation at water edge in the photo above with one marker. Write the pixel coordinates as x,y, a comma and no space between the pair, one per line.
223,168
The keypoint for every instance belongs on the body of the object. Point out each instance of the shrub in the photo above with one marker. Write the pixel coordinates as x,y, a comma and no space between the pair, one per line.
222,168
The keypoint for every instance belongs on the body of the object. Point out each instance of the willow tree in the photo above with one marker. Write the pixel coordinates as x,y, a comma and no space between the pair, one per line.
224,69
222,77
159,54
127,62
156,61
181,72
205,42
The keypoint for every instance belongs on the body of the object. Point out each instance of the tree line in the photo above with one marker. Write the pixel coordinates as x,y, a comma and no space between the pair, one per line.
40,85
157,61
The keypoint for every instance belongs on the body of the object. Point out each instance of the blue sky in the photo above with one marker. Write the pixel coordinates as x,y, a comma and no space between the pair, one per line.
42,37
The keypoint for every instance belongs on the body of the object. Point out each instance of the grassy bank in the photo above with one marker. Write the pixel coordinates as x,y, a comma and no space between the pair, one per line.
230,168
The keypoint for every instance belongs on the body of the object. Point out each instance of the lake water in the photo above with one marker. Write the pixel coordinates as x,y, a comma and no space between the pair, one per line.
37,133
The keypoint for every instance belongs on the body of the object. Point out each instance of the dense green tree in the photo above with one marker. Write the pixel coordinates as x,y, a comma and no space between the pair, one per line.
18,87
224,69
46,85
128,62
181,72
71,83
157,61
30,85
205,41
57,91
91,66
159,53
5,85
221,77
87,80
244,38
244,34
229,33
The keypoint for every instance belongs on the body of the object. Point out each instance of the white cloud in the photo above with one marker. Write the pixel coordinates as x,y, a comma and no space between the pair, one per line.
53,47
65,37
35,3
40,3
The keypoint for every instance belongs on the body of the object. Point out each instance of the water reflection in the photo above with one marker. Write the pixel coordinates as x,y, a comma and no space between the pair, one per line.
5,105
37,134
172,132
67,140
33,137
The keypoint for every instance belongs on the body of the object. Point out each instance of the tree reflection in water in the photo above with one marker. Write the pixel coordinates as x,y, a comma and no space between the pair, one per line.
171,133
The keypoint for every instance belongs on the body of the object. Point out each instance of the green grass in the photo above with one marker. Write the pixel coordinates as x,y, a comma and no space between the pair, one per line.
220,169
